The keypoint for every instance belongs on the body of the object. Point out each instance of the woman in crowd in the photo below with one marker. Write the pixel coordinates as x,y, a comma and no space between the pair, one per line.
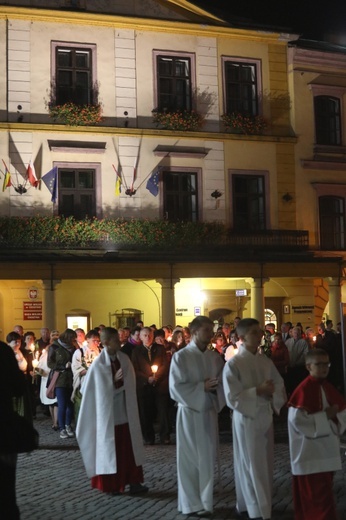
279,354
232,347
187,335
60,359
178,338
43,370
219,343
81,361
30,352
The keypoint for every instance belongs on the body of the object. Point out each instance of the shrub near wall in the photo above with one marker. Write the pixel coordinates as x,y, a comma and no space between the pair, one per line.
59,232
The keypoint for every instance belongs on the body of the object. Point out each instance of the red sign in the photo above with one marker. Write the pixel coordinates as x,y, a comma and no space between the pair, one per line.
32,310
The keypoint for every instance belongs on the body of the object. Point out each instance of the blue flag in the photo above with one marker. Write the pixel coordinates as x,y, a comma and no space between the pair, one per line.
51,179
153,182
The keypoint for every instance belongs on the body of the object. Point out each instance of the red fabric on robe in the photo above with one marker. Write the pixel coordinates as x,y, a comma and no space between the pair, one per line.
313,497
128,472
308,395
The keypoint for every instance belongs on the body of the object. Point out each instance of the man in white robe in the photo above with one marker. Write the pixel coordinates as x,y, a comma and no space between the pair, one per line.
195,383
253,389
109,399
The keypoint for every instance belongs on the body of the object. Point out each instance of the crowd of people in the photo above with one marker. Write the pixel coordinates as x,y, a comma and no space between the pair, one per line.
119,389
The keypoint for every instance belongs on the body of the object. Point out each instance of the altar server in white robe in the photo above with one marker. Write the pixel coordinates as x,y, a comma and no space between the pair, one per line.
195,383
253,389
316,419
108,430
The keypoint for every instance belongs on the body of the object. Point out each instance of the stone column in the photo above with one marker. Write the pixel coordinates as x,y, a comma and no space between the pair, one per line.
257,299
334,300
168,300
49,304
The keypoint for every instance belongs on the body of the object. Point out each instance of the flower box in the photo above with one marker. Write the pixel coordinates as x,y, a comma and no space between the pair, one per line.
76,115
243,124
185,120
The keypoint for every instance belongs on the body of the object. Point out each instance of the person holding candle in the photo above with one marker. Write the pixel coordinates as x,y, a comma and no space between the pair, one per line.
152,389
108,429
195,383
31,353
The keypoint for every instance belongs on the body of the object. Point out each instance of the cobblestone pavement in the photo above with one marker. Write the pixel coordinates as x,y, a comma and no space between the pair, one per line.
52,484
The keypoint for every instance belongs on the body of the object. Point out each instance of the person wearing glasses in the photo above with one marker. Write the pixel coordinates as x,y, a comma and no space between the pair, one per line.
316,419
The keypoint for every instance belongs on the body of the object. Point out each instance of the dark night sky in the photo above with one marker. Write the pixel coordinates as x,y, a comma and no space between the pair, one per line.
310,18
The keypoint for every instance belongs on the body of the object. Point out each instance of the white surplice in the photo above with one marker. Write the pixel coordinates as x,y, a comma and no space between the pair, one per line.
253,439
197,424
98,415
314,440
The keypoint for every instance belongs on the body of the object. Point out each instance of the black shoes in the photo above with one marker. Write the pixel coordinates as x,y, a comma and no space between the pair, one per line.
135,489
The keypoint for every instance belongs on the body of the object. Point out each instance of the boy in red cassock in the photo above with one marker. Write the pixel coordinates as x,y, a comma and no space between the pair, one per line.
316,419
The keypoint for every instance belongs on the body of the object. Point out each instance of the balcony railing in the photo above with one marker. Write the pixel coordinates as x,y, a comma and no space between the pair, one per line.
270,238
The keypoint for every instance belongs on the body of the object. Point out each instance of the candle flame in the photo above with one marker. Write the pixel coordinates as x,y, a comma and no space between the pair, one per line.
154,369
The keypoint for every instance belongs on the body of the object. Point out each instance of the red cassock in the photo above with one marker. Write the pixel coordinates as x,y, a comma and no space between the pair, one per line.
313,491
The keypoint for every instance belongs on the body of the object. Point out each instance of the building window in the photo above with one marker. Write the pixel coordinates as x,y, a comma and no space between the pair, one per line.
327,120
180,196
74,73
332,222
77,193
249,205
242,86
174,81
73,76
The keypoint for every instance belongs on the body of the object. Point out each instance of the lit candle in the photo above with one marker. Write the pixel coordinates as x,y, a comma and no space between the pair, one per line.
154,369
34,366
314,338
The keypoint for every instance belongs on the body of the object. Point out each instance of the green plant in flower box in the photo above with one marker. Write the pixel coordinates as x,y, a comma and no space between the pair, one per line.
245,124
76,115
186,120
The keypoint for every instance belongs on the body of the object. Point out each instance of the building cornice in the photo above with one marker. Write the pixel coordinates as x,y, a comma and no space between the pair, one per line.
139,24
140,132
311,60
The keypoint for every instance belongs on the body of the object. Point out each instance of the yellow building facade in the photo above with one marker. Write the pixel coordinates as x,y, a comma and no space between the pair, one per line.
261,185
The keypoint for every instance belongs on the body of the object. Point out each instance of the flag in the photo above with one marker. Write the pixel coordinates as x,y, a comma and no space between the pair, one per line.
50,179
7,179
153,182
134,173
31,174
118,182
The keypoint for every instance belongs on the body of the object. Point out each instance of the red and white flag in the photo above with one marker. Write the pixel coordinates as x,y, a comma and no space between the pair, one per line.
31,174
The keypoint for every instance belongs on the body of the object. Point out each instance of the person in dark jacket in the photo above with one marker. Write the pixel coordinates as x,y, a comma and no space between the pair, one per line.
60,359
152,386
12,384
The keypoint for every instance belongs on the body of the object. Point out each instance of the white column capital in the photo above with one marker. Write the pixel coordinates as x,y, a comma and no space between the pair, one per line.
167,283
256,282
50,285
